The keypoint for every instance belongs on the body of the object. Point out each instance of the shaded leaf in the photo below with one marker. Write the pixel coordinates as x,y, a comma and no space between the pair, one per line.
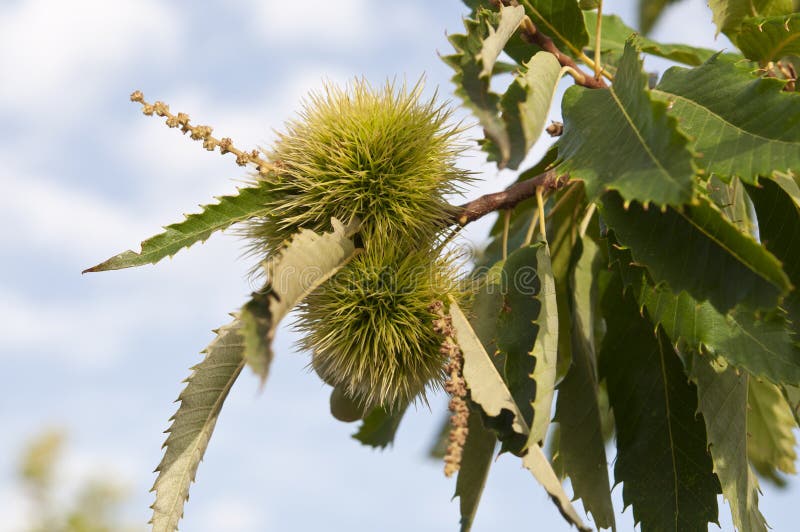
662,456
472,59
619,138
741,124
734,202
699,251
762,345
545,350
488,390
440,442
475,463
615,33
247,203
770,424
536,462
765,39
526,103
779,229
193,424
308,260
722,400
380,426
581,448
508,18
560,20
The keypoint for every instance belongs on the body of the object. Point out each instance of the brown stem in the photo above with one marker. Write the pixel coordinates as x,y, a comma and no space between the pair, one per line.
508,198
531,34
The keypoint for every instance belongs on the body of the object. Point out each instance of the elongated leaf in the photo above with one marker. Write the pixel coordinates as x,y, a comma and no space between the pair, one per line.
485,384
722,400
560,20
762,345
508,21
247,203
742,124
615,33
779,228
380,426
475,463
699,251
734,203
192,425
536,462
729,14
788,182
475,53
545,350
770,425
526,103
581,447
766,39
662,456
620,138
308,260
488,390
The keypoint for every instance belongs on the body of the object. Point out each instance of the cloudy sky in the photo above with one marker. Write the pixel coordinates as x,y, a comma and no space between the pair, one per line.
85,175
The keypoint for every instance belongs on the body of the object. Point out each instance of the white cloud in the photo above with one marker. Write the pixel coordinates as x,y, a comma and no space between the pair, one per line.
233,515
345,25
57,56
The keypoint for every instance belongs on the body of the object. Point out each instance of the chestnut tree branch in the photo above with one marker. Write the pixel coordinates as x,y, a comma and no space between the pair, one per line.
508,198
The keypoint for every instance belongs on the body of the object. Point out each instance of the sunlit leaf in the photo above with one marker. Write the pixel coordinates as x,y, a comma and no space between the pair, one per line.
620,138
247,203
193,423
766,39
741,124
770,425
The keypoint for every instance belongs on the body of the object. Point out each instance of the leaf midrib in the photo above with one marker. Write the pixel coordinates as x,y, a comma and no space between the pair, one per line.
742,131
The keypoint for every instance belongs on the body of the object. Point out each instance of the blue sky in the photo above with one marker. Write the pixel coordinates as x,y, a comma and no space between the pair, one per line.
85,175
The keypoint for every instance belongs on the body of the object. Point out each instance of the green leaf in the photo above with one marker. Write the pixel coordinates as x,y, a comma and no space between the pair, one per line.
308,260
699,251
193,423
380,426
792,396
536,462
741,124
770,426
734,203
526,103
662,456
475,54
765,39
562,21
615,33
729,14
788,182
545,350
475,463
619,138
247,203
581,446
722,400
488,390
762,345
508,21
779,229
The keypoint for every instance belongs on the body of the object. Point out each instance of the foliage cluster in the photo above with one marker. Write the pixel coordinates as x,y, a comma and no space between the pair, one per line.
642,283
